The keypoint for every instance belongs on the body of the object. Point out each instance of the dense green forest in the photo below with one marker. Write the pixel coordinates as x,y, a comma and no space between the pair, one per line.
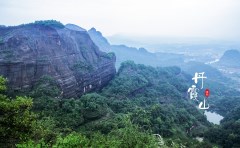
139,102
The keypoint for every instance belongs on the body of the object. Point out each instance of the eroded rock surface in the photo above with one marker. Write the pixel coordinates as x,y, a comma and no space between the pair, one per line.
28,52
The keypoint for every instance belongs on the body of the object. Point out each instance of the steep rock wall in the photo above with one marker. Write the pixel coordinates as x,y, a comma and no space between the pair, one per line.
28,52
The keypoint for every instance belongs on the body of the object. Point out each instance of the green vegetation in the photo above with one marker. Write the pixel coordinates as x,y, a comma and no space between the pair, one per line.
16,120
109,55
1,40
82,67
228,133
139,102
49,23
7,54
45,23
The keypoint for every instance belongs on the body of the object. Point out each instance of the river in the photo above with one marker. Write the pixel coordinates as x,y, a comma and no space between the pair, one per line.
213,117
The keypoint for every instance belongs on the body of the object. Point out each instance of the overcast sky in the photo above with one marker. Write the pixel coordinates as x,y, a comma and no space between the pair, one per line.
218,19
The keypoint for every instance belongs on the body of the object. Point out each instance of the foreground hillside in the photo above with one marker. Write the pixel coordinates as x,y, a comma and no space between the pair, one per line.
139,102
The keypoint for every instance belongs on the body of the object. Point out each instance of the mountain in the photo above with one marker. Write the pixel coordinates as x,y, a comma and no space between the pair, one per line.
125,53
162,59
139,102
138,55
99,40
66,53
74,27
231,58
211,72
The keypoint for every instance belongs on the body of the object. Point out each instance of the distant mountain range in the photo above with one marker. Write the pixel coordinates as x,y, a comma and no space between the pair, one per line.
138,55
231,58
162,59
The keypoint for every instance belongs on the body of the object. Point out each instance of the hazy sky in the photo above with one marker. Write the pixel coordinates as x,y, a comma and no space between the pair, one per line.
181,18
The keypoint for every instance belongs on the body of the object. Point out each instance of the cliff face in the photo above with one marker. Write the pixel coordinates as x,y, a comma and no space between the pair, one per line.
99,40
28,52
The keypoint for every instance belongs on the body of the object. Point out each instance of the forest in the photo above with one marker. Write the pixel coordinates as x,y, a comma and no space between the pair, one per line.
138,104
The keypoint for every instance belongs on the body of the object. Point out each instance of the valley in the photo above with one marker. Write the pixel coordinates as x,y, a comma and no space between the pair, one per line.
95,94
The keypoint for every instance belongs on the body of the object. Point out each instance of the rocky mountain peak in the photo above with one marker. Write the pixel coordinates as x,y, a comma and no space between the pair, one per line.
98,39
28,52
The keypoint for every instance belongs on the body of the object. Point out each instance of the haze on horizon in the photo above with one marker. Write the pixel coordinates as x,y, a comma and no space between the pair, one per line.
216,19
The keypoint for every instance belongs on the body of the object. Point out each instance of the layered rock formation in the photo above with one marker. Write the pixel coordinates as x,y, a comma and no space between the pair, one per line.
99,40
28,52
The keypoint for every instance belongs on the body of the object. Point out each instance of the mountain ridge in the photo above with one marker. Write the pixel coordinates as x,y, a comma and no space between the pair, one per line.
230,58
138,55
31,51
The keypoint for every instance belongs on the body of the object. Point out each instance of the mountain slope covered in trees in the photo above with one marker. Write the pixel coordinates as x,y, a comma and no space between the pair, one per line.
139,102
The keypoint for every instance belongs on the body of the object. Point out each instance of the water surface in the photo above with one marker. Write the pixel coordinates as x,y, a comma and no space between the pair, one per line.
213,117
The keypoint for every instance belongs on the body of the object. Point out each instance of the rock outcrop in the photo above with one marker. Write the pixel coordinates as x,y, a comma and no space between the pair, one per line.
28,52
99,40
